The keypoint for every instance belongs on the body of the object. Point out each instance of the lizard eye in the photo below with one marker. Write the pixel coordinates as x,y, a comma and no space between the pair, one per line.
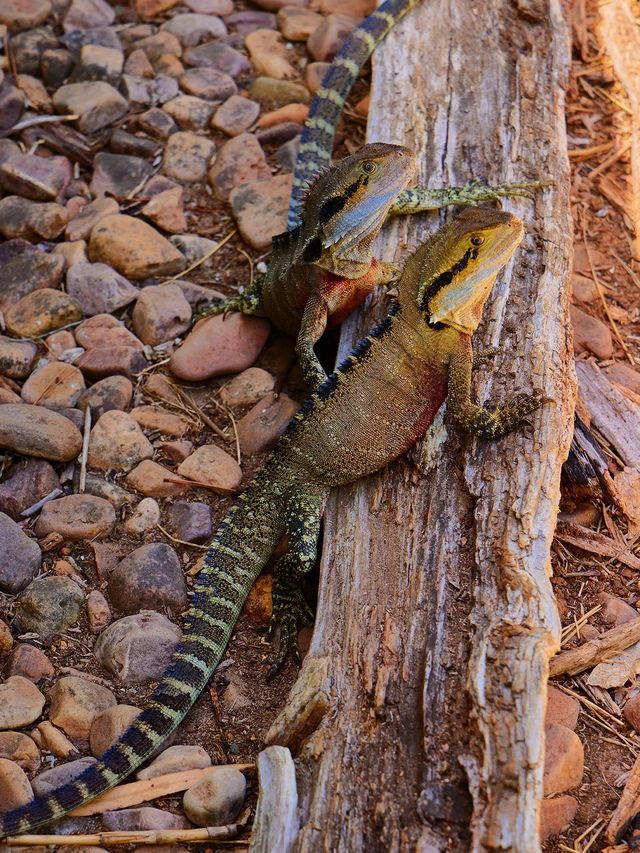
477,240
369,167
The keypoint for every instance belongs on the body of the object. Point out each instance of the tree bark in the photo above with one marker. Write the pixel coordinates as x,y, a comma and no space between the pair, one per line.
436,618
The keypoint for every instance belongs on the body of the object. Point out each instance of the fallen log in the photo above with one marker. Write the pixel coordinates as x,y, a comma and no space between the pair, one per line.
436,618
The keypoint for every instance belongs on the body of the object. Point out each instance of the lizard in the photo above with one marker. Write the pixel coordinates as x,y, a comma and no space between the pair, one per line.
368,412
314,280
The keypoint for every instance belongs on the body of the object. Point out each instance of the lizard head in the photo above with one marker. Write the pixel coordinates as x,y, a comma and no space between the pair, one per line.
464,259
346,207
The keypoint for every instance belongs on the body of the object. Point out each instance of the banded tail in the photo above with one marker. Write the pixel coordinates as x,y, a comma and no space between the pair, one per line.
242,545
316,142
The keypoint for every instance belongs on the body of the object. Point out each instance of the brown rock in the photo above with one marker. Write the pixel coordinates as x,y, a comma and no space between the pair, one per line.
187,156
216,798
138,64
247,388
117,442
75,703
31,220
156,123
189,113
217,346
73,253
53,740
241,159
109,725
156,418
211,465
118,174
153,480
291,112
80,227
355,8
47,781
177,451
269,55
97,62
556,815
19,748
55,385
160,43
236,115
22,15
133,248
139,647
159,386
35,431
615,611
563,759
15,789
20,703
208,83
105,361
113,392
561,709
218,55
297,23
169,66
261,427
583,288
16,357
314,74
40,312
144,518
174,760
260,209
37,178
258,606
27,272
631,712
161,314
145,818
166,210
30,662
624,375
328,38
362,107
28,482
6,640
103,330
191,28
85,14
149,577
275,5
590,334
151,8
98,611
58,343
76,517
97,104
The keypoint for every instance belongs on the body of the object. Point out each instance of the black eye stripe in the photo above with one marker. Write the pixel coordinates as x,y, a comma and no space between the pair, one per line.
447,277
312,250
330,207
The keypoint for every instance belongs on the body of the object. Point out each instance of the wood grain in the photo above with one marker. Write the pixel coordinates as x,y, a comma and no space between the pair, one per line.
436,618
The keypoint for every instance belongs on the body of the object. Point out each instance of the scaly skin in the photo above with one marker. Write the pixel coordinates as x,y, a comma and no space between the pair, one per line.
296,293
372,409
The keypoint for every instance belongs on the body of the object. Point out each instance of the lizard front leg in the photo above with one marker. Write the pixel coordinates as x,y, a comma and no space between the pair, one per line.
312,326
422,199
247,302
487,423
302,520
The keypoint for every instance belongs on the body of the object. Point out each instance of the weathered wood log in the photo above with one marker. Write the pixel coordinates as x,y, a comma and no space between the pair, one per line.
276,823
595,651
436,618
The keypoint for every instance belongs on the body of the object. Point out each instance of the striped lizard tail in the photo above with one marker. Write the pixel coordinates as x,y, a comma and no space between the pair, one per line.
242,545
316,142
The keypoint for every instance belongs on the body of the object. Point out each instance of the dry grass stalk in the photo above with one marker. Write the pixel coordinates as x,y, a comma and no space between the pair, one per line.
573,630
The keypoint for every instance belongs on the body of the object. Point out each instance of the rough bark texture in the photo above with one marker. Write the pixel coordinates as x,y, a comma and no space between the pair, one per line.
436,618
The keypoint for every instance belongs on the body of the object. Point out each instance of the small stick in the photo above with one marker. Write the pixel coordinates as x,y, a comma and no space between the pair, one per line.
595,651
133,793
34,508
85,450
110,839
181,481
180,541
204,258
609,161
